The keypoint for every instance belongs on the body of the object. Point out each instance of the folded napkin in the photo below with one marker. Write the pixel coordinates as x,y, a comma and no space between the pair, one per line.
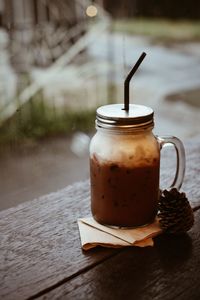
93,234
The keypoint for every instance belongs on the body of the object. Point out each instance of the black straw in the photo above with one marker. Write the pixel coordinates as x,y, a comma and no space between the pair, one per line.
127,81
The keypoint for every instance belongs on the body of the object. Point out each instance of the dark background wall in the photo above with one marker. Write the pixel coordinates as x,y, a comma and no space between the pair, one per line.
173,9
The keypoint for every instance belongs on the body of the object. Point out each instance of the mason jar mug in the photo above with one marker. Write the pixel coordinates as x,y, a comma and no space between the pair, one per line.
125,166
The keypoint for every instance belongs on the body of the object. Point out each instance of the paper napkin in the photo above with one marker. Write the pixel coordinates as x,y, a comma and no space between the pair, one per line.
93,234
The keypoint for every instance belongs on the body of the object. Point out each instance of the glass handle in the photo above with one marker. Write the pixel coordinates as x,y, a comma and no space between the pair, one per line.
180,158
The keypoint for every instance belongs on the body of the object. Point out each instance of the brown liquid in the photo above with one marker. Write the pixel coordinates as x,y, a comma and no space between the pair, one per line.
122,196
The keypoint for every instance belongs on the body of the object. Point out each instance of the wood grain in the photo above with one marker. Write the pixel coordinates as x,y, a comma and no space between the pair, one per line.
40,244
169,270
40,247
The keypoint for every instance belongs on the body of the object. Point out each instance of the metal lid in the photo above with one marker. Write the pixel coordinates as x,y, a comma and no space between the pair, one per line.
115,115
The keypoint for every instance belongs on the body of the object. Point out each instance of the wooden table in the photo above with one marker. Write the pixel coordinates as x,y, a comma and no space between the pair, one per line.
41,256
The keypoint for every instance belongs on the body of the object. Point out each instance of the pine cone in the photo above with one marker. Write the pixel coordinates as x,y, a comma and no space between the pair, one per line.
175,213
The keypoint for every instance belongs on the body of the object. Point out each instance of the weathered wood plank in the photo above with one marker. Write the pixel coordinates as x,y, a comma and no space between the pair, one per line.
40,247
40,243
169,270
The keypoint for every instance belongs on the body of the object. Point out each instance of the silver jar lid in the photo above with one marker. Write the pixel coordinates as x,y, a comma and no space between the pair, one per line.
114,115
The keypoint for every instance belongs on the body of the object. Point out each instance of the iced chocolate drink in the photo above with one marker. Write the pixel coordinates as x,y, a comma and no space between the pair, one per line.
124,195
124,166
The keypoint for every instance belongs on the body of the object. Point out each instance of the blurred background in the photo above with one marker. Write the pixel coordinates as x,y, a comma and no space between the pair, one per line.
60,60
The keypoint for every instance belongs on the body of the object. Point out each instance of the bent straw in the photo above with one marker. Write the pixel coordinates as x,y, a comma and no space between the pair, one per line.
127,81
